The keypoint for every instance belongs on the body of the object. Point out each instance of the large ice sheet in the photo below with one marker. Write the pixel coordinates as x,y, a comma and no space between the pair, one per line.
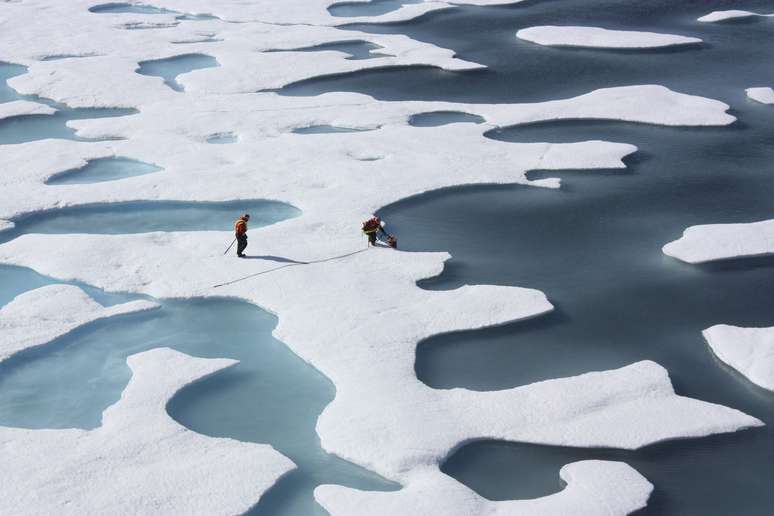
598,37
748,350
37,317
710,242
139,461
618,490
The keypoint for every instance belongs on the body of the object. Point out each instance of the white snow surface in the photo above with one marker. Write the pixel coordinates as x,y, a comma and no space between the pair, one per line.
139,461
330,311
711,242
39,316
732,14
24,107
748,350
598,37
764,95
618,490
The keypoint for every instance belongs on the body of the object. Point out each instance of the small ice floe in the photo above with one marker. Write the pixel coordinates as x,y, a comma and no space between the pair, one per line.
710,242
748,350
66,308
597,37
764,95
733,14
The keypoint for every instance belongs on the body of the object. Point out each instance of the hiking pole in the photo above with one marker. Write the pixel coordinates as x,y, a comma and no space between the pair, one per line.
229,247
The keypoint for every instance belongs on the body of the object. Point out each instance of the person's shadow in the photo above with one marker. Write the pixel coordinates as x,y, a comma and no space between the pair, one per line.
279,259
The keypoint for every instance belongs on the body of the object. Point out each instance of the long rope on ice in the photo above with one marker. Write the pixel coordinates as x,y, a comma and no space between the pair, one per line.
289,265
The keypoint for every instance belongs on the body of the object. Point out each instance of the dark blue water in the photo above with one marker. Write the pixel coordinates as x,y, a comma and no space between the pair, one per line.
103,169
735,55
170,67
594,247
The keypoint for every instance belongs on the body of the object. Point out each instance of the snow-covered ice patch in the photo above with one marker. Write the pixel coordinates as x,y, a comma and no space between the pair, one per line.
139,461
618,490
597,37
222,138
764,95
37,317
23,108
748,350
732,14
710,242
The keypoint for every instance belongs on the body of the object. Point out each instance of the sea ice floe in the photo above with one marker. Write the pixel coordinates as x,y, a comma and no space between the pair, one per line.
139,461
710,242
733,14
764,95
598,37
748,350
618,490
24,107
37,317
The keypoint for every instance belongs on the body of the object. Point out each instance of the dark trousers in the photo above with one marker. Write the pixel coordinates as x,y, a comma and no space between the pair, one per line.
241,243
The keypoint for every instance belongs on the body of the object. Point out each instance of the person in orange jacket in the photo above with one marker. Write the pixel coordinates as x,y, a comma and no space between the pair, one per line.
240,230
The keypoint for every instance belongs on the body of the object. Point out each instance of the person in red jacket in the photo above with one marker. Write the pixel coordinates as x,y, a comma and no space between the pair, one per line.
240,230
372,227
